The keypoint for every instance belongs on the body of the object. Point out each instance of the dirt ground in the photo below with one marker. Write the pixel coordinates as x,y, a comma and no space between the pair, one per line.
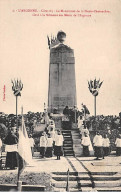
27,178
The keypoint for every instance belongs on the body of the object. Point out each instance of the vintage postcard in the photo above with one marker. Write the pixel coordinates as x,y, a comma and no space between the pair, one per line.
60,95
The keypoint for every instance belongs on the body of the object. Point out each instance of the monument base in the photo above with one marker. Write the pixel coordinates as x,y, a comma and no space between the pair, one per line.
74,126
58,119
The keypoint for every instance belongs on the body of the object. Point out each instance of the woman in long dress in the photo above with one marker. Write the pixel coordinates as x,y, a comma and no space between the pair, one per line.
10,142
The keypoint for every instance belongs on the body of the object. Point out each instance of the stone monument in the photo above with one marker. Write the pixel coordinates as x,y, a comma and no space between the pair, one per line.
62,85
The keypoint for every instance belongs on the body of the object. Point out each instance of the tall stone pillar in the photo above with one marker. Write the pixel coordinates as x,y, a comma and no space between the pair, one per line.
62,85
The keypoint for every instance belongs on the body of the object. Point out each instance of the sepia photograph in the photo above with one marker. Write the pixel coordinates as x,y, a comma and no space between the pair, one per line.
60,96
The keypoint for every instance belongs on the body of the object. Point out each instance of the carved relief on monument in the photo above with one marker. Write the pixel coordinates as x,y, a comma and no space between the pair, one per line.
62,101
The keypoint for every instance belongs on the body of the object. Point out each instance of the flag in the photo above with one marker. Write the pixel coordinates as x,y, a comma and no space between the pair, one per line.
100,84
90,86
24,149
95,84
91,83
48,42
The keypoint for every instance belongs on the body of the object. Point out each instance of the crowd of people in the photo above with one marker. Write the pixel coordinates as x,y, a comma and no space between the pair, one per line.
50,144
9,120
51,140
101,145
102,122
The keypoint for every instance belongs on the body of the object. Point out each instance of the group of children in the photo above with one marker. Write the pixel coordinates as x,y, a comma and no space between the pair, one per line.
51,142
101,145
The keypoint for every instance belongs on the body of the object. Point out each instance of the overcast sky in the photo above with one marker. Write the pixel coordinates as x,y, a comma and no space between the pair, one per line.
24,52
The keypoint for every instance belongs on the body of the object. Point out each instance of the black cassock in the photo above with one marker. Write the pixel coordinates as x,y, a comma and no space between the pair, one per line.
11,157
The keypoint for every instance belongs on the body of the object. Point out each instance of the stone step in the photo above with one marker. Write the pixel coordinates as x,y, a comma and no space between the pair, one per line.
74,184
70,155
109,184
76,137
67,137
68,152
65,173
63,184
85,173
66,142
64,178
84,183
76,141
66,131
68,145
75,133
78,151
107,189
88,189
77,145
78,154
106,178
64,190
59,189
71,178
104,173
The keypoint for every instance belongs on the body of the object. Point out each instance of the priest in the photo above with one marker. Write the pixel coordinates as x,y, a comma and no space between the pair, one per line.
10,142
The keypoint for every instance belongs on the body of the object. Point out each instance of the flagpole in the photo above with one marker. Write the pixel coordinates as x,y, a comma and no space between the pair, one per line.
24,151
16,115
95,106
95,111
94,87
19,183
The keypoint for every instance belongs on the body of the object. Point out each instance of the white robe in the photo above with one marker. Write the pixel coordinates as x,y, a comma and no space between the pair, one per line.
59,140
98,141
83,131
118,142
43,141
0,143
